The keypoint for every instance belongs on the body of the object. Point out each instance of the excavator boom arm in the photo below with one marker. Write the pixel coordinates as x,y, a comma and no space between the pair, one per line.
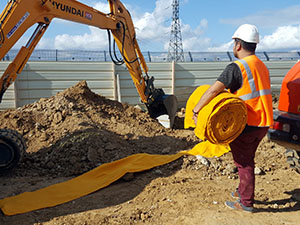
17,18
20,15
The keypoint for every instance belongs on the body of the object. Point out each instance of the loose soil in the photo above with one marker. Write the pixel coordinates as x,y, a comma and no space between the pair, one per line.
78,130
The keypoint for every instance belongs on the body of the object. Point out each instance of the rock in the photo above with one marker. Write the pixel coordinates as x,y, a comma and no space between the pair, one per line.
158,172
44,137
64,113
230,168
92,155
113,119
50,165
166,150
95,154
73,159
203,160
71,105
128,176
138,107
57,118
296,196
110,146
143,216
258,171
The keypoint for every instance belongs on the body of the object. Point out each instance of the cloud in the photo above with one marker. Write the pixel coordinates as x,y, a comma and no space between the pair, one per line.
153,28
222,48
150,27
193,39
280,29
102,7
285,37
269,18
95,40
44,43
152,31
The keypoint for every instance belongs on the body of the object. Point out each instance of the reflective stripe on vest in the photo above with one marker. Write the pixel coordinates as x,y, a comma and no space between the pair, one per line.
254,93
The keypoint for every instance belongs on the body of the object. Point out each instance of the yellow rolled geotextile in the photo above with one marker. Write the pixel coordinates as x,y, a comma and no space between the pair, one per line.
221,120
216,122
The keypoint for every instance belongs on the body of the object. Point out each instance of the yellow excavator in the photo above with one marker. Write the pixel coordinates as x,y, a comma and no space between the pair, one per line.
19,15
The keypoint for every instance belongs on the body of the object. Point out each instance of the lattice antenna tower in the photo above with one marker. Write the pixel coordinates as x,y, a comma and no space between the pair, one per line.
175,52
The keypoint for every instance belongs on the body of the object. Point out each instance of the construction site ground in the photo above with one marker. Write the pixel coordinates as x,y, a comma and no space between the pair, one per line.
77,130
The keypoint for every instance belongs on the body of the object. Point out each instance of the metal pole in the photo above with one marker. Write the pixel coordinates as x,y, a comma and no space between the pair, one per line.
267,57
190,54
173,77
119,88
229,56
115,82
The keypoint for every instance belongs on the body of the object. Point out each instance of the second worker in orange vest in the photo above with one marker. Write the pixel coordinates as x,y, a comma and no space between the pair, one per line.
248,78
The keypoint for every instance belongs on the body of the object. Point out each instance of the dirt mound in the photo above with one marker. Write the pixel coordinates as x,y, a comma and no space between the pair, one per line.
76,130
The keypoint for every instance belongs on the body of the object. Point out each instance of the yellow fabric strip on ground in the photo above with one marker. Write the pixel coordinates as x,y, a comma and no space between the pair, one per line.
85,184
89,182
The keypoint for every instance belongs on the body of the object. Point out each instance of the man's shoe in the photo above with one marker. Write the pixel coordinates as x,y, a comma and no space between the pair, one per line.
237,205
235,194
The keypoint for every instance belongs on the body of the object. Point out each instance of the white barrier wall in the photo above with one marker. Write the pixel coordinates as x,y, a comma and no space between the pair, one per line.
45,79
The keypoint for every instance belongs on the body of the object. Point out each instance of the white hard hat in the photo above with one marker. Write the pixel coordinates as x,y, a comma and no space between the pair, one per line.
248,33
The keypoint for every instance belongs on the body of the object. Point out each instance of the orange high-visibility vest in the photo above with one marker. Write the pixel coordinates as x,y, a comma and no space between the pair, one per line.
256,91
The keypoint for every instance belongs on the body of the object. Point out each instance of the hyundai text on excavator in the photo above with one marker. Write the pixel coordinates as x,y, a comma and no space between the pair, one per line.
286,128
19,15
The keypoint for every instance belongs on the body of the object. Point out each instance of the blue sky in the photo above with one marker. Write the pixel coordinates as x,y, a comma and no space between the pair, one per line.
205,25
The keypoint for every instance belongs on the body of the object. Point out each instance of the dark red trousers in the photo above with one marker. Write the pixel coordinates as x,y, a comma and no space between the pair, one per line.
243,149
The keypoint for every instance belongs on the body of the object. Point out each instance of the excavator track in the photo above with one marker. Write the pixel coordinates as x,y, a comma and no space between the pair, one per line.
12,149
293,159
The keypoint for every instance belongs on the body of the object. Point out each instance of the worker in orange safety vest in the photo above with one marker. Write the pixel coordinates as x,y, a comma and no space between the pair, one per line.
248,78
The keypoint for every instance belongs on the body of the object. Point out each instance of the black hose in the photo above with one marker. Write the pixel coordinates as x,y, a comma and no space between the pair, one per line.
115,54
115,58
115,61
123,42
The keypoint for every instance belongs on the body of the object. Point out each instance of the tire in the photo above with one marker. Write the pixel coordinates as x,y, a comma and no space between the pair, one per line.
293,159
12,149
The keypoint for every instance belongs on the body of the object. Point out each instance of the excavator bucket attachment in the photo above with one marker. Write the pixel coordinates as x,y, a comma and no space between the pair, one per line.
160,104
